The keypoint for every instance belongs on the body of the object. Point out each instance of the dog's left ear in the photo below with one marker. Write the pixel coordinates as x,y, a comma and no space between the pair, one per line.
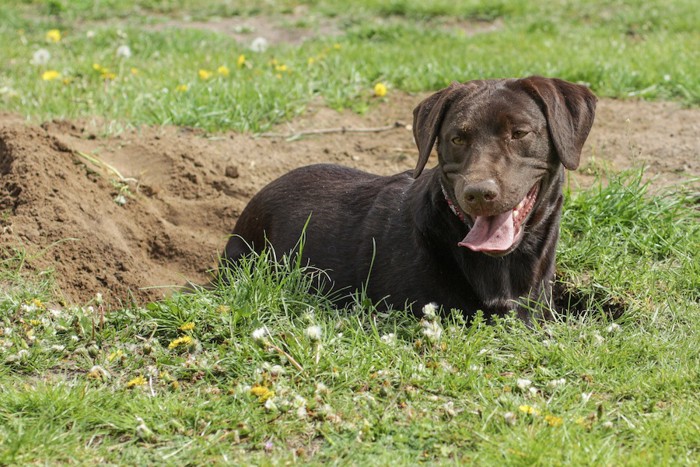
570,110
427,119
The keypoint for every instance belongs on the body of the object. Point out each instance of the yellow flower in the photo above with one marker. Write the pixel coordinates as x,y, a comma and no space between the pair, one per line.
97,67
187,326
35,322
262,393
37,303
204,74
380,90
336,46
529,410
310,61
181,88
223,309
50,75
134,71
53,35
114,355
222,70
553,421
184,340
281,68
106,74
241,61
138,381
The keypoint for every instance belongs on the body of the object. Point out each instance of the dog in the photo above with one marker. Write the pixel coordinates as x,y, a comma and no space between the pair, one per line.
477,232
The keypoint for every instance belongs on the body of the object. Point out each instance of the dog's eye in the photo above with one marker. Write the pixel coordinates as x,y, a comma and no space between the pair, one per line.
458,141
518,134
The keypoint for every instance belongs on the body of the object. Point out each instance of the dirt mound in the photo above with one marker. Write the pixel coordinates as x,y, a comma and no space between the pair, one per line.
146,209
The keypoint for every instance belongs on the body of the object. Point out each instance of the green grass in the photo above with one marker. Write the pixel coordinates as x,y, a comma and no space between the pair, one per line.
185,381
631,48
374,388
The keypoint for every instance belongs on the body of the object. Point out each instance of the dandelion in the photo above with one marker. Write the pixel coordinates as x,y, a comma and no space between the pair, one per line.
389,339
204,74
138,381
553,421
314,332
281,68
181,88
262,393
528,410
241,61
187,326
53,35
134,71
40,57
259,44
260,334
380,90
523,383
123,51
184,340
223,71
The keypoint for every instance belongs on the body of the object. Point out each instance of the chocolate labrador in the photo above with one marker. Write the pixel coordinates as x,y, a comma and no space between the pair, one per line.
477,232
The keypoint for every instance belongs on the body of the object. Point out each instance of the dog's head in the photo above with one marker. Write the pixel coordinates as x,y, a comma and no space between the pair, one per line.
502,146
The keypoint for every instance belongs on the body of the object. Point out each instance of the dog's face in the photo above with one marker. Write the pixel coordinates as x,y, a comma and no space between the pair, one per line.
502,145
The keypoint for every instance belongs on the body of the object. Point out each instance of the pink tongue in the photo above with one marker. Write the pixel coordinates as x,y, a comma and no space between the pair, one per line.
492,233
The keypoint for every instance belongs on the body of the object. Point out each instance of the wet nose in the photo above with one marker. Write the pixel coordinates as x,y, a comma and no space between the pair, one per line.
481,193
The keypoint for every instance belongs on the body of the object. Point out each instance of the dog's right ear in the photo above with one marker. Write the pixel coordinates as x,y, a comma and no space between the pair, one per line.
427,119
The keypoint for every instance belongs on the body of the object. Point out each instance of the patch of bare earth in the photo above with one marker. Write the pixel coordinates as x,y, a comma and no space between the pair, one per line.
186,189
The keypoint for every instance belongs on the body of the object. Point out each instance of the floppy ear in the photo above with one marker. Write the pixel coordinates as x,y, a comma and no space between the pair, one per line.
427,119
569,109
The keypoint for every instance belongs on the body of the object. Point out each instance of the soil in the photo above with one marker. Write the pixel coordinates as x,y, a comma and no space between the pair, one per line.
184,189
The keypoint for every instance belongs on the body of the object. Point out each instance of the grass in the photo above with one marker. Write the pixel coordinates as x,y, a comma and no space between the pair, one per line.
626,49
267,372
237,375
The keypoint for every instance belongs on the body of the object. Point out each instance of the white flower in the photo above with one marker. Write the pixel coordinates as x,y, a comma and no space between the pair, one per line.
510,418
270,405
259,44
90,34
40,57
7,331
556,383
432,330
523,383
123,51
276,370
389,339
314,332
585,396
58,348
533,391
614,327
301,411
260,334
430,311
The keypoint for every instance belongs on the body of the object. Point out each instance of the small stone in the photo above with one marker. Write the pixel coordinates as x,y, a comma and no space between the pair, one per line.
231,171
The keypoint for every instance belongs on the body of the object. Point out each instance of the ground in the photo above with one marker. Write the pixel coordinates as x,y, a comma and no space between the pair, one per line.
184,189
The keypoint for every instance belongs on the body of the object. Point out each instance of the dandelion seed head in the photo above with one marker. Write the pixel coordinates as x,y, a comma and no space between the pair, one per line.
124,51
259,44
314,333
40,57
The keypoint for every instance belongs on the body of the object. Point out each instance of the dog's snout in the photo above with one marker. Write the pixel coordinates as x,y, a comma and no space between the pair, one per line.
481,193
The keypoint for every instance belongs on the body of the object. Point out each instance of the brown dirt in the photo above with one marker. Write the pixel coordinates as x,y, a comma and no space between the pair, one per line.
188,187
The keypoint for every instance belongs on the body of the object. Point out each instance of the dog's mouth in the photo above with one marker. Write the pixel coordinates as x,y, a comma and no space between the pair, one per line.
500,234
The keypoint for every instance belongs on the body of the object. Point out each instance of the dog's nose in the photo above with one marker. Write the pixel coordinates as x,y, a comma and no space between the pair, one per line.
481,193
